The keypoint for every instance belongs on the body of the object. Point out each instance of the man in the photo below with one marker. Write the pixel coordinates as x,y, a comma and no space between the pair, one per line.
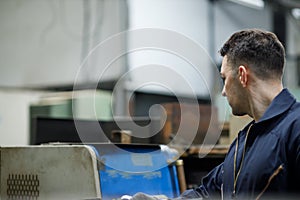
264,160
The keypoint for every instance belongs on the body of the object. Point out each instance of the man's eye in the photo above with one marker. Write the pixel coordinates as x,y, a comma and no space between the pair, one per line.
223,79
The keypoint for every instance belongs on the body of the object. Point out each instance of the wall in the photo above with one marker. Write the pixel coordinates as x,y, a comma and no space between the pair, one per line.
15,116
207,25
43,43
184,28
293,51
231,17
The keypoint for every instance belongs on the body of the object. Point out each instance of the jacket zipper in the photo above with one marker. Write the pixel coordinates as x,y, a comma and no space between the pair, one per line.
276,172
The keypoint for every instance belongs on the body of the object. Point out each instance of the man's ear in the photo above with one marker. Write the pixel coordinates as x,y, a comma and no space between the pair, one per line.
243,75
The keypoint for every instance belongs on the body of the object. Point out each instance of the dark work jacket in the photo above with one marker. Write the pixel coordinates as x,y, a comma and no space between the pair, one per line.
271,164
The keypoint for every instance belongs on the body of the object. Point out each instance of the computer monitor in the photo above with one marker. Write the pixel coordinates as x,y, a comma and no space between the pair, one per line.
49,130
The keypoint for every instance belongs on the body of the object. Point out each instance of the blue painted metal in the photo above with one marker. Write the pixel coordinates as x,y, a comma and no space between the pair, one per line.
128,169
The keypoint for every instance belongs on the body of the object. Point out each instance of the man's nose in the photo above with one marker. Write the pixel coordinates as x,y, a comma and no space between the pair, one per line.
223,92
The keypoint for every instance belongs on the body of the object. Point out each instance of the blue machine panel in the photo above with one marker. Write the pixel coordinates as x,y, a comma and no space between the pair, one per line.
128,169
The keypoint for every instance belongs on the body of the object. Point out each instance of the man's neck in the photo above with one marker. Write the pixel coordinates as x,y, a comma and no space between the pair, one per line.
261,97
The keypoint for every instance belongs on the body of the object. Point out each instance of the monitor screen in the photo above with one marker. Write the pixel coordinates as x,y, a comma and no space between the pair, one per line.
49,130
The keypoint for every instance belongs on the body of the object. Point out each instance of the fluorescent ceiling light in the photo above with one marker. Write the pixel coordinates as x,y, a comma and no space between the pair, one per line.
257,4
296,13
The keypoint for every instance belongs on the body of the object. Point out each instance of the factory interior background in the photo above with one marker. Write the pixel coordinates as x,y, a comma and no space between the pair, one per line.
140,68
51,48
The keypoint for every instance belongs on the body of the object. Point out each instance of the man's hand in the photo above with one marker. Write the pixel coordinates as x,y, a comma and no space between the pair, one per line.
143,196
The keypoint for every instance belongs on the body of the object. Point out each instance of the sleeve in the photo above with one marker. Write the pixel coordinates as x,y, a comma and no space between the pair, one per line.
293,143
210,186
297,155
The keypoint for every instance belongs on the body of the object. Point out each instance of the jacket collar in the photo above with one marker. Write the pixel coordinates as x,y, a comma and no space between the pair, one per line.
281,103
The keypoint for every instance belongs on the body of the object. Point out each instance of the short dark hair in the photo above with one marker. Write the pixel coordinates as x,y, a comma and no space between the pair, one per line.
260,50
